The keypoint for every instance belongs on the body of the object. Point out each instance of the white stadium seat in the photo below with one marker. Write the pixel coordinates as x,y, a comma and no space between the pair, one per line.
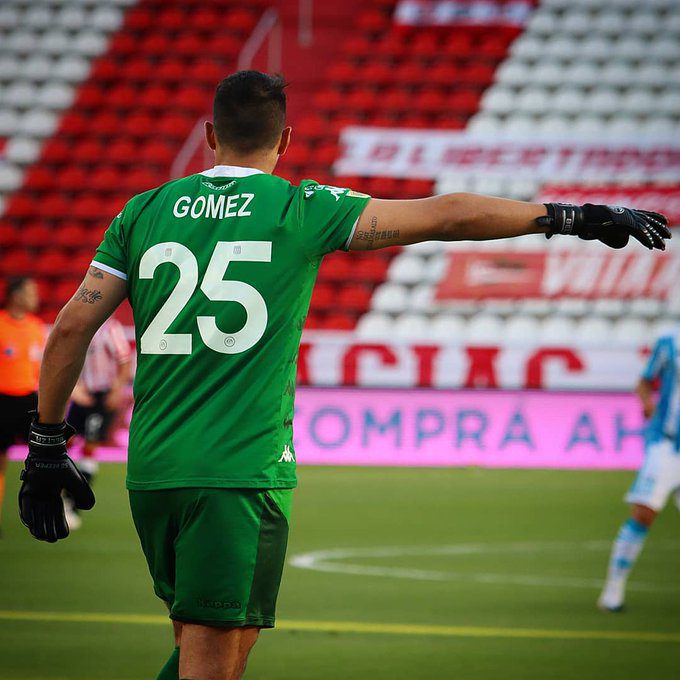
38,123
414,327
594,330
374,326
521,329
10,177
484,329
390,298
406,268
610,308
9,122
22,150
556,330
37,68
19,95
55,96
447,327
633,332
421,298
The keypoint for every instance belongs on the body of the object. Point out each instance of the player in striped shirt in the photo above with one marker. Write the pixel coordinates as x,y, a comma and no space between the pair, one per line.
659,477
98,397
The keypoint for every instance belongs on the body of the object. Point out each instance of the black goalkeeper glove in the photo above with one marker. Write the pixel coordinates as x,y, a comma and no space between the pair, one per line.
611,224
47,471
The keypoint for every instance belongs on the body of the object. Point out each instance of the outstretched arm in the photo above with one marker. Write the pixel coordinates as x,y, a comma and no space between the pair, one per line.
463,216
96,299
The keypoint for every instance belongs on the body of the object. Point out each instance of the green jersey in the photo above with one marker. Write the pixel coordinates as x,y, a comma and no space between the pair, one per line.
220,268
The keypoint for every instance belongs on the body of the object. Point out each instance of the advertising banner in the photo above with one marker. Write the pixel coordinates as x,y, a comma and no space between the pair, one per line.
573,273
428,154
430,428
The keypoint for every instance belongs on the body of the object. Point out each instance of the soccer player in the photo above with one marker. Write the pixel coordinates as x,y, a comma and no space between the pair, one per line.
22,338
659,475
97,398
219,269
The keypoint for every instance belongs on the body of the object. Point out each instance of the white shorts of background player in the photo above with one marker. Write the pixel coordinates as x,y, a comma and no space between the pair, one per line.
658,478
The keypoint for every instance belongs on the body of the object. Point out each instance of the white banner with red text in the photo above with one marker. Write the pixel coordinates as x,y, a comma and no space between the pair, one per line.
428,154
338,359
589,273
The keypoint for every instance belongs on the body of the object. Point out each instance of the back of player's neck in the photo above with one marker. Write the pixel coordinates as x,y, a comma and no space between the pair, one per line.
256,162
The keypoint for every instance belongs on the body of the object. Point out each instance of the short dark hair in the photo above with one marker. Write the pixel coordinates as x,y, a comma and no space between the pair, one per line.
15,284
249,110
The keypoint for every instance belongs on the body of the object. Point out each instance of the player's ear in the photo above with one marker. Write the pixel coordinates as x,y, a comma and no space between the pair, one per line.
210,137
285,140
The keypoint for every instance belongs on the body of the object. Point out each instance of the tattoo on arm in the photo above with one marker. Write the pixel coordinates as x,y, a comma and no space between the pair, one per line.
373,235
95,272
87,295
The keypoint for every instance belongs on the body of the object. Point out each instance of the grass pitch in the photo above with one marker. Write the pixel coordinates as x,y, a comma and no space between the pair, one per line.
401,573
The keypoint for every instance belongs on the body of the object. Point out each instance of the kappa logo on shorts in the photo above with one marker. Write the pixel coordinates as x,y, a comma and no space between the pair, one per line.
218,604
287,456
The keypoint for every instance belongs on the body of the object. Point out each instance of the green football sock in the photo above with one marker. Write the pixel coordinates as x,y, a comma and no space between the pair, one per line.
171,669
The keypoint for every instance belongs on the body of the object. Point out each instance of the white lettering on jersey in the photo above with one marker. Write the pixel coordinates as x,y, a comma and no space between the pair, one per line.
287,455
336,192
215,207
242,210
179,210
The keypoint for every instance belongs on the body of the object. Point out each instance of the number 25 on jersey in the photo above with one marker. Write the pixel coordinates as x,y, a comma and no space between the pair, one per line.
155,339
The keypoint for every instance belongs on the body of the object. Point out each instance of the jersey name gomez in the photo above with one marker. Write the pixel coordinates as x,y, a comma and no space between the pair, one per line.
220,268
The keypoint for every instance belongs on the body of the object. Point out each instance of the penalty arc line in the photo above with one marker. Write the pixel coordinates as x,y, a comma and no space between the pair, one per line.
364,628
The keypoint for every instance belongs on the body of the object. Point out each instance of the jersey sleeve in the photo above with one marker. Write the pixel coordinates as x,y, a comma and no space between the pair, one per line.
657,360
111,255
328,217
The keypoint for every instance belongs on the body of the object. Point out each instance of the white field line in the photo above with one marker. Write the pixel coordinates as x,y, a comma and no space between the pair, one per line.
335,561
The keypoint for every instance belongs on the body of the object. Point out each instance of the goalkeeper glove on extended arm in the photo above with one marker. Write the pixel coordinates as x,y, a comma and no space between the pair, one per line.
47,471
611,224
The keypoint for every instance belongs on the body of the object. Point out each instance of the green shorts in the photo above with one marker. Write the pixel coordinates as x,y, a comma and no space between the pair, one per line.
215,555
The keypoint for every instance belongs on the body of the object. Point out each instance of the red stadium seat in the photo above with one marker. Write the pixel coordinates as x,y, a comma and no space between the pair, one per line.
36,235
104,70
52,264
104,179
355,298
338,321
17,262
172,20
240,20
9,236
139,19
19,207
73,124
90,151
336,267
105,124
56,151
72,178
71,236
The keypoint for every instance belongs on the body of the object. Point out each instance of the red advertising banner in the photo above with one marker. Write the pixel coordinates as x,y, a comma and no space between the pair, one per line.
663,198
555,273
466,12
429,154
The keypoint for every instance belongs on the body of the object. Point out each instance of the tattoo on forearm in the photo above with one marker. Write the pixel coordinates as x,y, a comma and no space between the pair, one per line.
373,234
96,273
87,295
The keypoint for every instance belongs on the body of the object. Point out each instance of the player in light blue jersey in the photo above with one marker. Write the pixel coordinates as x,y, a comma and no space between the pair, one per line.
659,476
